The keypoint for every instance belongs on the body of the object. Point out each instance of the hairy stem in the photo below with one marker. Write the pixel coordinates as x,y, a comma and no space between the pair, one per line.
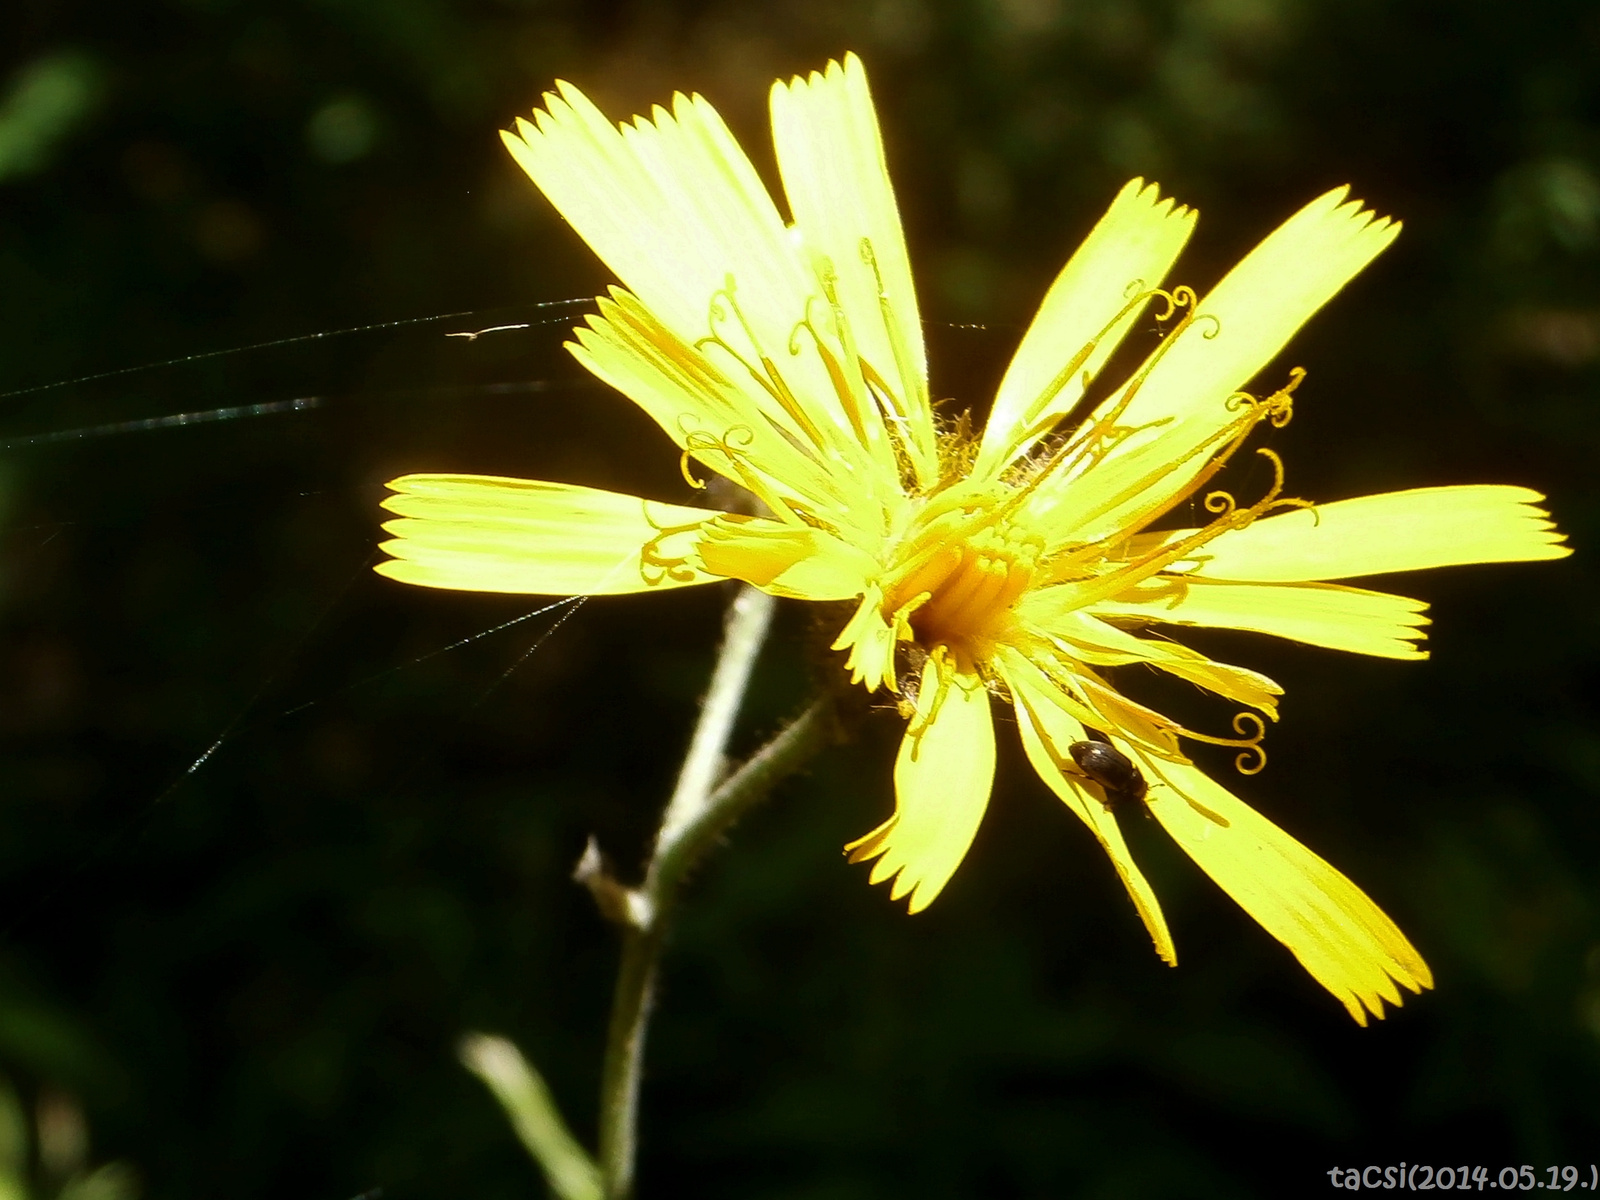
698,813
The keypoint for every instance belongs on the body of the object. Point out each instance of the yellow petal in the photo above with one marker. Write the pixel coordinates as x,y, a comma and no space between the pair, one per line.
702,409
482,533
1177,414
1339,935
673,206
1392,531
831,158
942,779
1251,315
1047,731
870,640
1090,640
1084,316
801,563
1319,614
1104,498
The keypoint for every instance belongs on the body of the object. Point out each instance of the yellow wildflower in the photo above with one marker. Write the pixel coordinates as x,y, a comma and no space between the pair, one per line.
1017,566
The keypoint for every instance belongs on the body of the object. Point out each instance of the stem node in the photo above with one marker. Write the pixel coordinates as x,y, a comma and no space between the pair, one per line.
618,903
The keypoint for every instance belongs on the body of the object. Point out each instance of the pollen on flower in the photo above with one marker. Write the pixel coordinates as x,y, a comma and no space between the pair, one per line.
958,577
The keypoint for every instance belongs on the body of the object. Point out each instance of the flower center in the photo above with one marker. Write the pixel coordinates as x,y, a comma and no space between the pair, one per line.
959,576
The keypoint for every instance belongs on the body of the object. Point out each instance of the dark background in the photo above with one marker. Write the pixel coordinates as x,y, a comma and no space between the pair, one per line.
252,975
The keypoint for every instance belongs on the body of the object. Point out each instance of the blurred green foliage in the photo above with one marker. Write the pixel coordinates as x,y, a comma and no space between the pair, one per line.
47,98
45,1157
255,971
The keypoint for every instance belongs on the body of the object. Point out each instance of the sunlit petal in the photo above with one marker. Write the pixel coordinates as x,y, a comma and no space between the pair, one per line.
674,207
1047,731
1243,323
942,780
1181,397
1087,312
693,400
1392,531
481,533
831,158
1339,935
1319,614
1090,640
671,204
800,563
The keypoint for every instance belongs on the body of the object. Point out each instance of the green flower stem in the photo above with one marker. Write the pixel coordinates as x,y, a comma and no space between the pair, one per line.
749,619
746,788
522,1092
698,813
619,1081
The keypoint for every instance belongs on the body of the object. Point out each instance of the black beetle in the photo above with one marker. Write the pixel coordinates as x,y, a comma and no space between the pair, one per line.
1113,770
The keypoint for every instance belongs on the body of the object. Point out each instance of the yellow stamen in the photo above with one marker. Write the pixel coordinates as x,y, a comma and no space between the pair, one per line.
654,566
723,303
1252,760
1231,517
